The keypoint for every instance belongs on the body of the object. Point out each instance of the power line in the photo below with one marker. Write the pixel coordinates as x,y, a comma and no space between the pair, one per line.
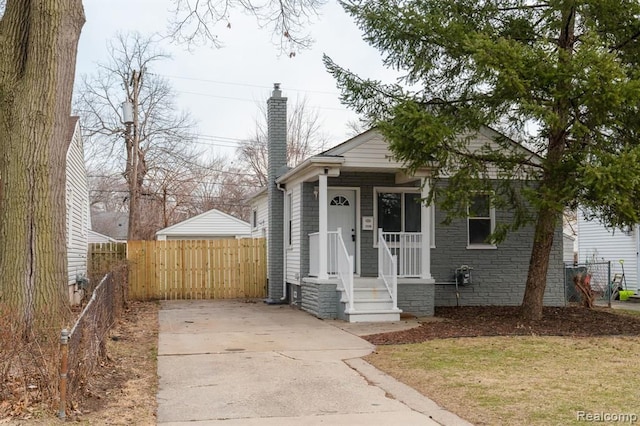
257,86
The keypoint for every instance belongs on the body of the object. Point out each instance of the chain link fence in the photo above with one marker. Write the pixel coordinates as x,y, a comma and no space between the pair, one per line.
590,279
86,342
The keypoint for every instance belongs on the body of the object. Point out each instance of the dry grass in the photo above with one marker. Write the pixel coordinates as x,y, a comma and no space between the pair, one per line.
122,389
520,380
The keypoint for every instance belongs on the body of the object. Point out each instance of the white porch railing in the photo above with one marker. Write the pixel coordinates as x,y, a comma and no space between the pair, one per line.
407,246
387,268
332,253
344,271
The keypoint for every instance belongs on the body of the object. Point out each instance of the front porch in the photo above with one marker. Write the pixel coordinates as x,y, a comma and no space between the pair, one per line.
342,294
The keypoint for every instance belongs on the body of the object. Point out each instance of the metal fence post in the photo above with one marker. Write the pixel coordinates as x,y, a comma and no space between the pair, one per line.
64,366
610,291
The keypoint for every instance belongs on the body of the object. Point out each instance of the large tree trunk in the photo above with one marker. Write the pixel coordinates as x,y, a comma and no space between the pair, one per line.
38,46
532,302
550,210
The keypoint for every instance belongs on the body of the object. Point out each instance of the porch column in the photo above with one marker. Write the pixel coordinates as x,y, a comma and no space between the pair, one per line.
322,227
425,225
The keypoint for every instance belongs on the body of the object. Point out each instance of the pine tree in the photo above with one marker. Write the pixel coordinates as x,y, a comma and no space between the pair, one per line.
560,76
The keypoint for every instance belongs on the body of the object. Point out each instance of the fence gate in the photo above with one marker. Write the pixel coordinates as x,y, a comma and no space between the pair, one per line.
197,269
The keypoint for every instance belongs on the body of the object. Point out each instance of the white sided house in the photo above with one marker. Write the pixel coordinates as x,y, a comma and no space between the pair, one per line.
210,225
348,238
597,243
98,238
77,219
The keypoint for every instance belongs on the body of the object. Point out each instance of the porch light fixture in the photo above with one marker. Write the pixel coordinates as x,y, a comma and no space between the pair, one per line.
315,192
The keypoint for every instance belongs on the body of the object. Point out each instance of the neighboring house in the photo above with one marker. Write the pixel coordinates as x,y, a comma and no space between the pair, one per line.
77,205
210,225
357,188
568,249
259,214
96,237
112,224
597,243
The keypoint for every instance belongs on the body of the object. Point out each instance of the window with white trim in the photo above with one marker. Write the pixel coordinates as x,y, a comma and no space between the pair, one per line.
254,218
399,210
480,220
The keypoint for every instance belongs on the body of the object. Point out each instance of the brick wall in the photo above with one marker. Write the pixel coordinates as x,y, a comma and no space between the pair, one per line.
320,299
416,298
499,275
277,155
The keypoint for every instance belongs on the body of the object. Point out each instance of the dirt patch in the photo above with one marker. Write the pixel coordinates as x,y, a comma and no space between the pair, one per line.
477,321
122,391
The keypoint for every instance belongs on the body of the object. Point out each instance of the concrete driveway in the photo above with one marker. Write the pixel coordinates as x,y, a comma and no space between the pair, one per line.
243,363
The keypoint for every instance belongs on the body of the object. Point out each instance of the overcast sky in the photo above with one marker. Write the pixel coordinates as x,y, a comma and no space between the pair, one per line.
221,87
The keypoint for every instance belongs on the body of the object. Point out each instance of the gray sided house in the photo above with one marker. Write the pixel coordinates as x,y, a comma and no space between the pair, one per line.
347,238
77,205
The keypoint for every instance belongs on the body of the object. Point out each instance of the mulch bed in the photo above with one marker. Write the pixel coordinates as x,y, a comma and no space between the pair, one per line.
475,321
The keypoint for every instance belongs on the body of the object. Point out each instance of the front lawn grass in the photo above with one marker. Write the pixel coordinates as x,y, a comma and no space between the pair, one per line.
520,380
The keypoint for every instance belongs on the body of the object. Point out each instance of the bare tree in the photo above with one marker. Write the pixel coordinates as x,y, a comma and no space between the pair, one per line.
224,186
355,127
304,138
193,23
158,139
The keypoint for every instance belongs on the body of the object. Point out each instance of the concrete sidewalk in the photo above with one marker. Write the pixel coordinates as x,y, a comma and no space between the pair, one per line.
253,364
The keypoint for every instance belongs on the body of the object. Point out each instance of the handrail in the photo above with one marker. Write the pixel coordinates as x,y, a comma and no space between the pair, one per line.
345,269
407,246
387,268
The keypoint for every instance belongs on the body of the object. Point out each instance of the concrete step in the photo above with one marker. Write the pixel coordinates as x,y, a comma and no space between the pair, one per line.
389,315
371,293
372,304
368,283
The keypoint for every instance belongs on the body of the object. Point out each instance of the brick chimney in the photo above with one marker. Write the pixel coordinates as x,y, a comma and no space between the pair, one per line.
277,156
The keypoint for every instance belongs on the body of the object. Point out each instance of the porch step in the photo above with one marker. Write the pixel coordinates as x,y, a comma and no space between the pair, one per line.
389,315
371,302
365,282
374,293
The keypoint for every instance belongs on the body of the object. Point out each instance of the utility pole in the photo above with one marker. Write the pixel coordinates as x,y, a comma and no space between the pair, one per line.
132,139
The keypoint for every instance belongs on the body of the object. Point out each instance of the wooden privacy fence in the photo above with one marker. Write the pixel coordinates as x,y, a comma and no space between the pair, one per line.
197,269
102,257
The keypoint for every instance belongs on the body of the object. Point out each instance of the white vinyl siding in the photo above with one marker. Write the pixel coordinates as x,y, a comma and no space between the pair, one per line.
77,204
369,150
374,153
210,225
292,271
596,243
288,219
261,206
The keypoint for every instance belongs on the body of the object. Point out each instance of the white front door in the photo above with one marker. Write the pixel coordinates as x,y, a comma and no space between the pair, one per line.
342,214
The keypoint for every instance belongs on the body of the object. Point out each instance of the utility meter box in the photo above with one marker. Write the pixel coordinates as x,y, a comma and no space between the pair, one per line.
463,275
